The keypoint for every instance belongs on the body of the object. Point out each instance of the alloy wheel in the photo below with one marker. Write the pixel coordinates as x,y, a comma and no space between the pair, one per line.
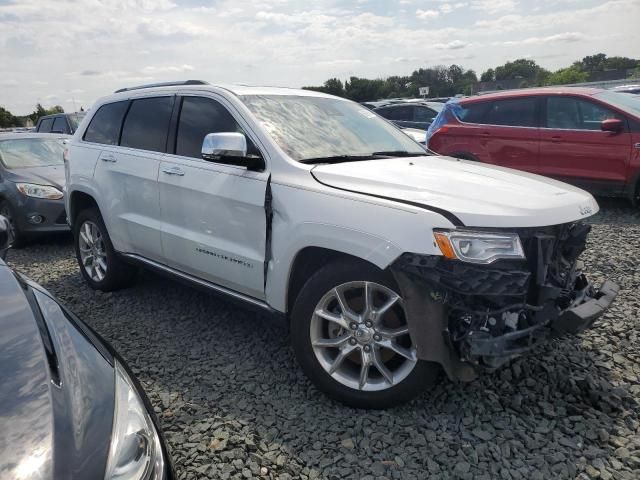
359,335
93,254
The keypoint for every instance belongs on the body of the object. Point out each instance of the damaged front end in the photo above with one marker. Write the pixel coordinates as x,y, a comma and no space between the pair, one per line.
485,315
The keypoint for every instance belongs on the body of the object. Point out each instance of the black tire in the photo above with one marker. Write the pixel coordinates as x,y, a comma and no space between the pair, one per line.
119,274
19,238
423,375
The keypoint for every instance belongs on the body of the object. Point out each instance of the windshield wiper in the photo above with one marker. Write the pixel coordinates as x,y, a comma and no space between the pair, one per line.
338,158
400,153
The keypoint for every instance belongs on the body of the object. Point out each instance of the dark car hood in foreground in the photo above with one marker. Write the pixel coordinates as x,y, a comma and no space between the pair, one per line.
49,175
55,413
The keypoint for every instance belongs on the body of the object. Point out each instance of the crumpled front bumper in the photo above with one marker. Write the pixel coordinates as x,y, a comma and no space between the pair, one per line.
572,320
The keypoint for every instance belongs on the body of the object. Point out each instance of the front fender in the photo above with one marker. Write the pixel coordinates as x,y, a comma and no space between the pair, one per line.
376,250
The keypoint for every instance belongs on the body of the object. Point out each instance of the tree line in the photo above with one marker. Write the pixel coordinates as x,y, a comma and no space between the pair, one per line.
8,120
448,81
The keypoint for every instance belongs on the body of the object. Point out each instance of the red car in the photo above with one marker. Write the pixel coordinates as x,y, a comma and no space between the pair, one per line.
584,136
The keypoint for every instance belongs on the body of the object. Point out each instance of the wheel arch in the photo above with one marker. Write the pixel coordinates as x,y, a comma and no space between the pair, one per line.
309,260
80,200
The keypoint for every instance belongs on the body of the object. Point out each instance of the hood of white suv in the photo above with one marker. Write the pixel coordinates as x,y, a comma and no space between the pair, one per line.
479,195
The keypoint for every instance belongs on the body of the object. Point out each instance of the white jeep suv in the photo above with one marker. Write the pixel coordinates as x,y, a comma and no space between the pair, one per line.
389,263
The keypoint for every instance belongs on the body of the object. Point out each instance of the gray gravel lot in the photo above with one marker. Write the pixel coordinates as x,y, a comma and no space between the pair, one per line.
234,404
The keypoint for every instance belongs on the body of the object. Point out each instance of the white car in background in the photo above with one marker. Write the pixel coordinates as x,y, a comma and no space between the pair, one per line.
389,263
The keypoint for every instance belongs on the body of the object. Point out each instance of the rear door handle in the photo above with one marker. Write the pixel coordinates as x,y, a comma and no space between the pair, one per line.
173,171
108,158
637,145
556,139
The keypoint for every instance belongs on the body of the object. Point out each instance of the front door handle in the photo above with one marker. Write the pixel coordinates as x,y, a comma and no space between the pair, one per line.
108,158
637,145
173,171
556,139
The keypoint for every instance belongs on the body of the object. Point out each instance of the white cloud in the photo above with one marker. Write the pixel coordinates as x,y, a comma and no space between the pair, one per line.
427,14
453,45
103,45
567,37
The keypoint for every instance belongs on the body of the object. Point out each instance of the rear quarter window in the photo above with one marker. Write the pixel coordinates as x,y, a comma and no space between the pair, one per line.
472,112
45,125
105,125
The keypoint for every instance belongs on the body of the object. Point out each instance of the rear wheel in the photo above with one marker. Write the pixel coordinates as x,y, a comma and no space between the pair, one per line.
99,264
350,335
7,211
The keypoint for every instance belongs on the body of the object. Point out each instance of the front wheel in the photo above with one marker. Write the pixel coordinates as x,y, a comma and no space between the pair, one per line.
350,335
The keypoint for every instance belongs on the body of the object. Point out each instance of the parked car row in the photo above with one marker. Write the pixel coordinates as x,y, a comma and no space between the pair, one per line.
583,136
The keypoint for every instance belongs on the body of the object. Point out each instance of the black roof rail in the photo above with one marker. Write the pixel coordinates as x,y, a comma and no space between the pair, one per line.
163,84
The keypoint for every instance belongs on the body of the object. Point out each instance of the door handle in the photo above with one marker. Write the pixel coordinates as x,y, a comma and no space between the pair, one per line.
173,171
108,158
637,145
556,139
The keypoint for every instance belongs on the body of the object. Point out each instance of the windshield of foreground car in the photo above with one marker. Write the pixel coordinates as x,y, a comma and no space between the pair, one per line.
624,101
313,128
31,152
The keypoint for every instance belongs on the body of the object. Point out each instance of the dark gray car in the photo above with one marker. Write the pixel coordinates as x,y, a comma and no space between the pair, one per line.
60,123
69,406
32,182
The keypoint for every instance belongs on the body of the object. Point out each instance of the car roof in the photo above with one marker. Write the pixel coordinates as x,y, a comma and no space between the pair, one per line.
234,89
20,136
583,91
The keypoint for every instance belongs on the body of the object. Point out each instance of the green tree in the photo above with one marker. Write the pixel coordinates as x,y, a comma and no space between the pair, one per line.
593,63
567,75
522,68
40,111
8,120
333,86
488,76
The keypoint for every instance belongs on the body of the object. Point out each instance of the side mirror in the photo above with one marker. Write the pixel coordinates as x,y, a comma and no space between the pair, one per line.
230,147
6,236
226,144
612,125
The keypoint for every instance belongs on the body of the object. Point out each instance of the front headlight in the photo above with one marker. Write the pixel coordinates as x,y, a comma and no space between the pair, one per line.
479,247
39,191
135,452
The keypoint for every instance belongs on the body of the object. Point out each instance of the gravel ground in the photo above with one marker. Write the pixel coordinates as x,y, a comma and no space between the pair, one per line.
234,404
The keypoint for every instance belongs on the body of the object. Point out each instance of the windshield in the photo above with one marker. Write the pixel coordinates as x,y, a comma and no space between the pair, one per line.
75,119
317,127
31,152
624,101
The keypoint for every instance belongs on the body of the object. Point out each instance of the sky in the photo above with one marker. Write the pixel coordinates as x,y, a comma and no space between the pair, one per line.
71,52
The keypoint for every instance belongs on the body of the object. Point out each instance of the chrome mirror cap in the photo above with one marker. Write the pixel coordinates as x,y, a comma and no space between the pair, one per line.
225,144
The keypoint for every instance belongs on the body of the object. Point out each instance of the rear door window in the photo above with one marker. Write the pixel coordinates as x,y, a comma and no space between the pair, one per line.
45,125
515,112
147,123
105,125
200,116
60,125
